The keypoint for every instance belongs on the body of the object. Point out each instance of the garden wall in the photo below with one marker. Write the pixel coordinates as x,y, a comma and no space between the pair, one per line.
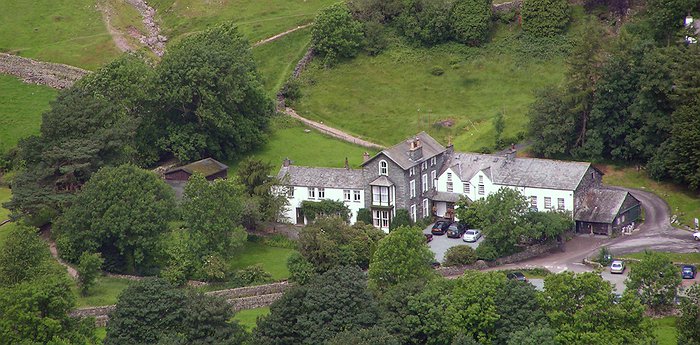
507,6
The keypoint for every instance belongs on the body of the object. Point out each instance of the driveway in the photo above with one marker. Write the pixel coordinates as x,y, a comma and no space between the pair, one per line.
440,244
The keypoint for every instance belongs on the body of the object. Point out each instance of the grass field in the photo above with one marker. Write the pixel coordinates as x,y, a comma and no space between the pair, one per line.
276,59
257,19
65,31
21,106
247,318
683,203
273,259
665,330
105,292
392,96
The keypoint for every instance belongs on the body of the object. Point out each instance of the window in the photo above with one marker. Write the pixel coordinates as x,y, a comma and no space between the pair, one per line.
433,177
290,191
424,166
481,189
533,202
481,178
380,196
412,171
424,182
433,161
449,176
321,193
383,168
560,203
356,196
346,194
381,219
414,216
449,187
312,193
385,219
412,188
547,202
466,188
426,211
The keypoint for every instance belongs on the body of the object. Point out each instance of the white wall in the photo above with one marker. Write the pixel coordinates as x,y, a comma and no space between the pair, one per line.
302,193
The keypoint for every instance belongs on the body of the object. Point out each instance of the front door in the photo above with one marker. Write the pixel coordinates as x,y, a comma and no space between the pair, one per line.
300,216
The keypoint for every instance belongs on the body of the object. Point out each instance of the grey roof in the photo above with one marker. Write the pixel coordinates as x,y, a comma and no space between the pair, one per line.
520,172
399,152
446,196
600,205
382,181
206,167
322,177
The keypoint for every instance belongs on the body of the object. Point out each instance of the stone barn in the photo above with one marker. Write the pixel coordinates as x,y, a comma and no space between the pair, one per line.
209,167
606,211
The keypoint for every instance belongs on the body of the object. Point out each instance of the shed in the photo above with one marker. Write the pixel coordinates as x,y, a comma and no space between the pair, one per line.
606,211
209,167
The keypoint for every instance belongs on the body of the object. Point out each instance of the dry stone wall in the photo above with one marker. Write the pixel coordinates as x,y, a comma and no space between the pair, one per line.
507,6
54,75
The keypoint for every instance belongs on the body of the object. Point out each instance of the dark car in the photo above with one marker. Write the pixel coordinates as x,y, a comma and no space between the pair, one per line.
456,230
428,237
688,271
516,276
440,227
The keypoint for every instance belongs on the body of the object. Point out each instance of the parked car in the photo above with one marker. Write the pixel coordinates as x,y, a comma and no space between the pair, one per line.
617,266
456,230
428,237
519,276
688,271
440,227
696,236
471,235
435,264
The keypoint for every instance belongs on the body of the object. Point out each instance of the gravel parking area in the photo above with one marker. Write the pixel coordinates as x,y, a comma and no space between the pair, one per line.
440,244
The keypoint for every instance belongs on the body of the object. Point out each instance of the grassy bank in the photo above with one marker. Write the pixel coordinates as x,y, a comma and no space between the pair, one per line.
685,258
276,60
272,259
105,292
247,318
684,204
665,330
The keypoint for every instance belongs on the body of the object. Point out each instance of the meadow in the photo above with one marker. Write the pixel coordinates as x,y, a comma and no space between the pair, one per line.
276,60
247,318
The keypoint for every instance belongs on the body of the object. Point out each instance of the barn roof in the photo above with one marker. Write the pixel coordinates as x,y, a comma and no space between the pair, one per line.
399,153
301,176
206,167
600,205
520,172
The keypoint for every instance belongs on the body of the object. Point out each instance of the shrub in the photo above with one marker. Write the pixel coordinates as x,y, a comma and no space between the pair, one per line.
300,270
437,71
174,274
604,257
471,21
402,218
292,89
486,251
460,255
254,275
280,241
427,21
214,268
89,267
325,208
336,34
375,38
364,215
545,17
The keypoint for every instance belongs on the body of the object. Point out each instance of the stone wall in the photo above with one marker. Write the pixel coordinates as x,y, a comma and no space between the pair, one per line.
507,6
248,291
254,301
54,75
301,65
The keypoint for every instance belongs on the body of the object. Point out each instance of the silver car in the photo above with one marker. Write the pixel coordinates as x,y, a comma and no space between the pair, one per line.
617,266
471,235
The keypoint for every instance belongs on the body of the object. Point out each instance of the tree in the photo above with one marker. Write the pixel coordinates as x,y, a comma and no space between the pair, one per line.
146,311
545,226
574,305
337,299
364,215
254,174
499,125
209,98
207,321
535,335
471,21
121,213
545,17
655,279
402,218
375,336
460,255
22,254
211,210
665,17
464,339
519,308
400,257
396,315
551,124
300,270
688,324
336,34
89,266
427,21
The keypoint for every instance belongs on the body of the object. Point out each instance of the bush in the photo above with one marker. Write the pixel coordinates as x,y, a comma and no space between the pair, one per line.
604,257
402,218
364,215
460,255
545,17
292,89
254,275
336,34
174,274
89,267
300,270
375,38
427,21
486,251
214,269
280,241
471,21
437,71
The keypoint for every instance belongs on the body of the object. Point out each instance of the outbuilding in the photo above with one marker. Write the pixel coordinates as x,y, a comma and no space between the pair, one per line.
209,167
606,211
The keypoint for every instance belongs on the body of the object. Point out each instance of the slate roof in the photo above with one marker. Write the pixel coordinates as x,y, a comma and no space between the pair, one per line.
340,178
520,172
206,167
399,152
448,197
600,205
382,181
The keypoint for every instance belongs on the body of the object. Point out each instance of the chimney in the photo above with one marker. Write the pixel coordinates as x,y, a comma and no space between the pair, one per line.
510,155
365,157
416,151
450,148
286,162
347,165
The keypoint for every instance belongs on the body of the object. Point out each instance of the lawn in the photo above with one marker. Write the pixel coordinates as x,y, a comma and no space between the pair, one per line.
665,330
289,139
21,106
272,259
247,318
394,95
683,203
685,258
101,333
276,59
65,31
257,19
105,292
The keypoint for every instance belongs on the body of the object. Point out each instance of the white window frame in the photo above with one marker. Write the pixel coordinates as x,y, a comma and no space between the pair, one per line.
346,194
356,196
321,193
548,202
424,166
482,189
312,193
383,168
378,197
561,203
426,211
412,171
433,161
290,191
450,187
533,202
412,188
433,177
414,215
466,188
481,178
449,176
424,183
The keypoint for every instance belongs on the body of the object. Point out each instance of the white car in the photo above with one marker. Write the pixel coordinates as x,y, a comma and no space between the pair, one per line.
617,266
696,236
471,235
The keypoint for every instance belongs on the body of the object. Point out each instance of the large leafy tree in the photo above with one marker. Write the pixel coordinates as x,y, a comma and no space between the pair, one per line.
21,255
545,17
655,279
427,21
400,257
665,17
121,212
471,21
336,34
396,315
519,308
688,324
209,99
582,310
338,300
374,336
266,194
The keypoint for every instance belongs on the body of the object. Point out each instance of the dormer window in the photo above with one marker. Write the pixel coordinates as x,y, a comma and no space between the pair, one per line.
383,168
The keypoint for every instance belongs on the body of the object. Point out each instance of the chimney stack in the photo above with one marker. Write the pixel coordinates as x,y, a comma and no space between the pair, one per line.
510,155
286,162
347,165
416,150
365,157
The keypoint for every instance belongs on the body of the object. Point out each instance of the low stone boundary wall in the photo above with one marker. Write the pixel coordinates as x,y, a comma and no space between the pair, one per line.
254,301
248,291
529,253
507,6
54,75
